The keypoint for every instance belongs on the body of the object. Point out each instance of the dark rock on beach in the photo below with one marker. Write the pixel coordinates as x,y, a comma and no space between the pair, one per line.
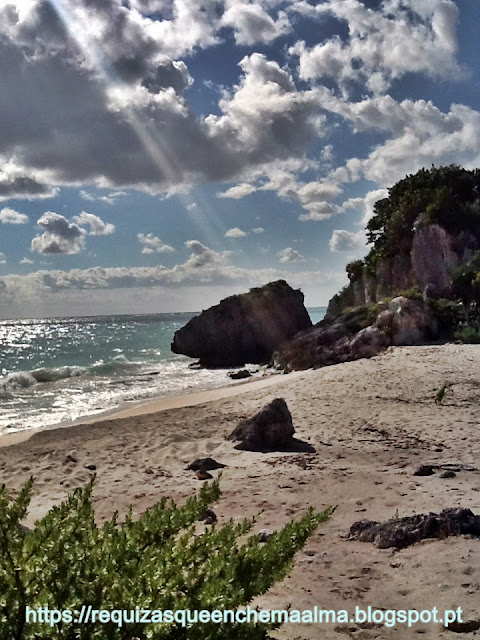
271,429
448,474
239,375
403,532
244,328
205,464
424,470
203,475
208,516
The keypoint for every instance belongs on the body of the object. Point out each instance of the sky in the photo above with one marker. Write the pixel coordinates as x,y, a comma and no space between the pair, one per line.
159,155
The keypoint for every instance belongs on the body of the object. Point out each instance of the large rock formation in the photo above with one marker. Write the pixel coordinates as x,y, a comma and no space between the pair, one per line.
424,259
359,333
244,328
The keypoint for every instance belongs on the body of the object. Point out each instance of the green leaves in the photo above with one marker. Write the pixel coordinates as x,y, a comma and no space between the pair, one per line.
447,196
164,560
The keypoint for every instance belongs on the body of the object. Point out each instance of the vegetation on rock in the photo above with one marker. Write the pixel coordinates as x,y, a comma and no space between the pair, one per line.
447,196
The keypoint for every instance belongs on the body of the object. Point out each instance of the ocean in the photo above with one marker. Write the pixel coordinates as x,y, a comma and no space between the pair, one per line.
58,370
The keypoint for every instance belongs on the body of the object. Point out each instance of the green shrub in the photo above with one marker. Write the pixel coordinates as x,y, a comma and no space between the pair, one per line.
158,562
468,335
413,293
449,315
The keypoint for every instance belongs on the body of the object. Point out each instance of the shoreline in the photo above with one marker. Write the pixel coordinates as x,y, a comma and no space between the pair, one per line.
151,406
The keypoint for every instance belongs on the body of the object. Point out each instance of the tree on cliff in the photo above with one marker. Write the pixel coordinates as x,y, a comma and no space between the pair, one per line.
448,196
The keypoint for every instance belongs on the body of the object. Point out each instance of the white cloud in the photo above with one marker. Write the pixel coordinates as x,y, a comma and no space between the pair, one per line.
384,44
153,244
97,226
26,261
420,135
111,198
235,233
10,216
59,237
290,255
258,230
318,212
238,191
365,204
3,258
343,241
252,24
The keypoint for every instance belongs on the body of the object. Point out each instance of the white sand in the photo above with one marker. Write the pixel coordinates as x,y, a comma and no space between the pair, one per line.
371,423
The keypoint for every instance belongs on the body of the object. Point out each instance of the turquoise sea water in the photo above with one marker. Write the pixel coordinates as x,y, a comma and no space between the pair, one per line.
61,369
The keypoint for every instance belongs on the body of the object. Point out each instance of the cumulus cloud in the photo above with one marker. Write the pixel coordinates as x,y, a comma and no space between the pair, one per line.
59,236
343,241
383,44
252,24
97,226
238,191
153,244
26,261
115,119
258,230
290,255
10,216
3,258
419,134
235,233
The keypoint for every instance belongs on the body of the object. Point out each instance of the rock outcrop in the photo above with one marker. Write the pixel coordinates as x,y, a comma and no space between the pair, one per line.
426,264
359,333
271,429
244,328
402,532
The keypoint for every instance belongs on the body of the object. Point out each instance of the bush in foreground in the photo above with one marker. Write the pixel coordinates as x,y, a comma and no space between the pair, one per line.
156,562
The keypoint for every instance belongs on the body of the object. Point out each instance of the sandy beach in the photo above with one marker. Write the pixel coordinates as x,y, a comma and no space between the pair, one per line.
371,423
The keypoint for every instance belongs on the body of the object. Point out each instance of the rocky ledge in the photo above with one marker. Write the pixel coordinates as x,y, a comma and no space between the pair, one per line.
359,333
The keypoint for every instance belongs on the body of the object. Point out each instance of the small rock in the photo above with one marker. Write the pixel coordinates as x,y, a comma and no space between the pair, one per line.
69,458
448,474
91,467
208,516
264,535
464,627
424,470
239,375
205,464
271,429
203,475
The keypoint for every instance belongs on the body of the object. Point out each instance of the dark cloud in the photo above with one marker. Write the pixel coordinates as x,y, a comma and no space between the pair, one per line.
23,187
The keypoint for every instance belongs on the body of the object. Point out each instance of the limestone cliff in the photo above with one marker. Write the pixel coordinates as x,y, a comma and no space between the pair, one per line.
426,266
423,266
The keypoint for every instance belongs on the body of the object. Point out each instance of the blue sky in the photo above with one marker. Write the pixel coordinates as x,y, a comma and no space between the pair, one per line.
158,155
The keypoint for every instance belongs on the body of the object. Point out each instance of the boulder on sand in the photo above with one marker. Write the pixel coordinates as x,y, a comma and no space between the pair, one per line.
271,429
244,328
